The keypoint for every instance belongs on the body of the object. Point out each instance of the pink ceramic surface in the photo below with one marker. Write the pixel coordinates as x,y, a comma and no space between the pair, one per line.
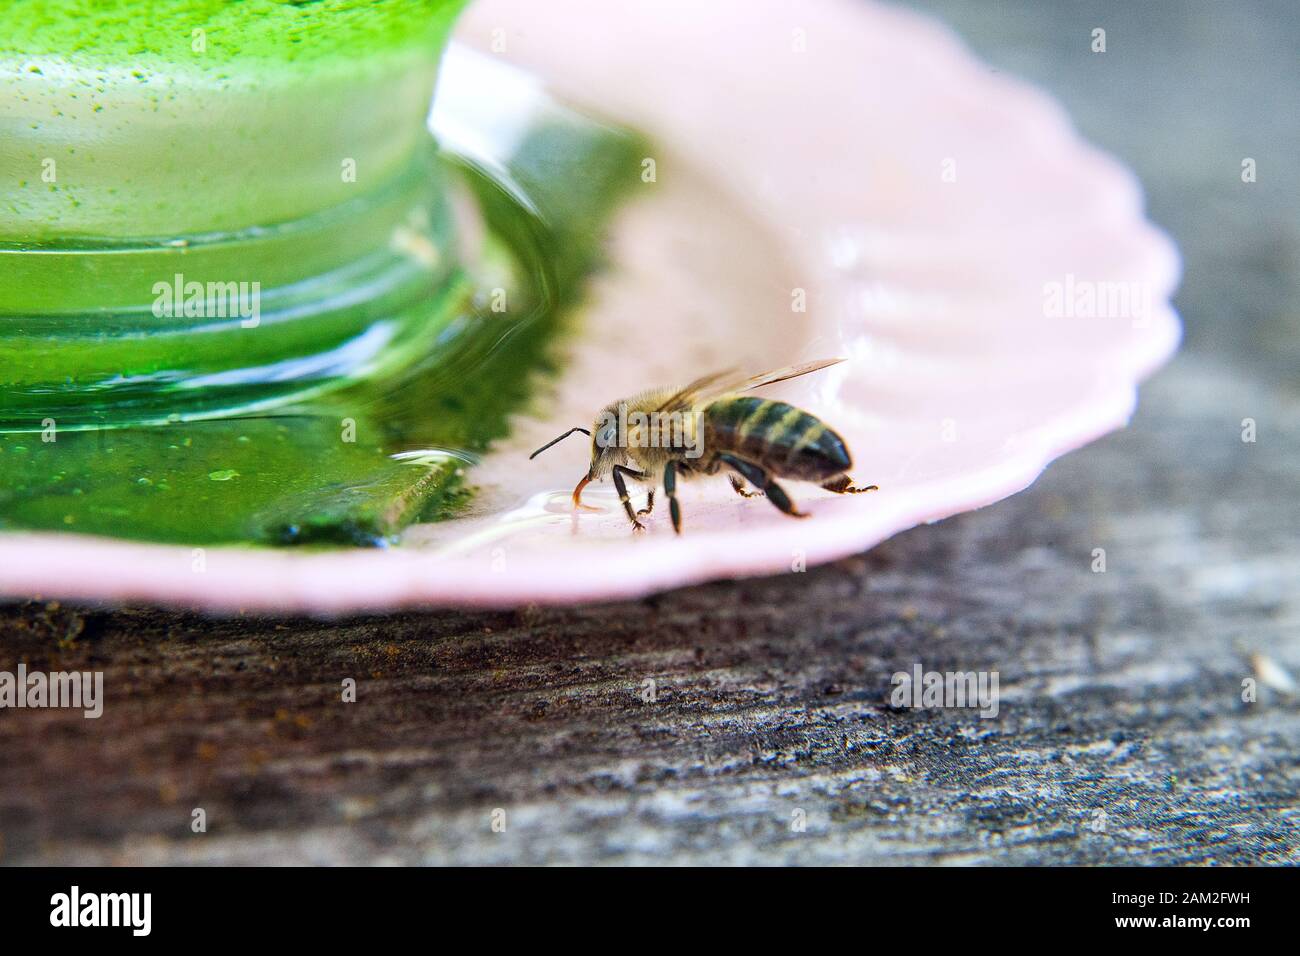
944,223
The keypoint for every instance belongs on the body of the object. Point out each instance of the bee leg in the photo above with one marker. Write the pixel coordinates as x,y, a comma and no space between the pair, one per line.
670,489
738,486
759,478
843,485
649,504
621,486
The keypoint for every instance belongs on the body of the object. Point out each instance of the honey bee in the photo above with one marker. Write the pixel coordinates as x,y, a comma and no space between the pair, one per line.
705,427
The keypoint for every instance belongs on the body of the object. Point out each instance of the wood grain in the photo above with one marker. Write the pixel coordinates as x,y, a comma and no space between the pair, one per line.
1120,692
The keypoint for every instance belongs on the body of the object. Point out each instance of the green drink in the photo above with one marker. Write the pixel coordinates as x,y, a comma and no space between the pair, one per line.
209,206
233,303
182,117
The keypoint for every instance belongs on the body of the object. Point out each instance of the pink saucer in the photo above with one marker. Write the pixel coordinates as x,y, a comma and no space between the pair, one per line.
830,178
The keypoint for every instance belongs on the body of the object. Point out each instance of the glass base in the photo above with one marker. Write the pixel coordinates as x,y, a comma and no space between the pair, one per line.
382,362
110,333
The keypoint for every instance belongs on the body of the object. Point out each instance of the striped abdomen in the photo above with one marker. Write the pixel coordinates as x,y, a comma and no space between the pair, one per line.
784,440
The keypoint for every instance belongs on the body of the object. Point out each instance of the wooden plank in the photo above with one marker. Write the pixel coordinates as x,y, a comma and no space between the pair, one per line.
1120,694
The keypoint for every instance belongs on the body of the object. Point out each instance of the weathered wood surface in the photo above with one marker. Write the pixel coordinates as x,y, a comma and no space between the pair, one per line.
1120,691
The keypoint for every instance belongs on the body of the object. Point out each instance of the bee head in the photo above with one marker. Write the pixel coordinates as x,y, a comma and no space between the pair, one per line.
606,449
607,445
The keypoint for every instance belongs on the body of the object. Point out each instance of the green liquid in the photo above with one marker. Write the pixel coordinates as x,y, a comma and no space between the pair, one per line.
272,156
180,117
174,430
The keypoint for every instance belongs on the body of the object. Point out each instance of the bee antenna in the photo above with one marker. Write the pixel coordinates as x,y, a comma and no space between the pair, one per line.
578,428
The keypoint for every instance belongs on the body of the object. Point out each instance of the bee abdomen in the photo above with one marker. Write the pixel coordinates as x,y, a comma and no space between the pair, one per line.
784,440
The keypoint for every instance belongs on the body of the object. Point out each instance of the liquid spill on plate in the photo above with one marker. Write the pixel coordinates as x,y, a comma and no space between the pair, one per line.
990,277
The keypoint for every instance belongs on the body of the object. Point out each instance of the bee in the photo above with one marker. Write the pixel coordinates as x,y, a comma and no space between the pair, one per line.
711,425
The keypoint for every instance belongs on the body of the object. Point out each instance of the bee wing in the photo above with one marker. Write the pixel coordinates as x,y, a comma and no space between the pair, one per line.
720,383
782,374
686,397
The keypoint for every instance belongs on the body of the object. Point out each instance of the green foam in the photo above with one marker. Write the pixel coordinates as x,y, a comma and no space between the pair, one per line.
250,34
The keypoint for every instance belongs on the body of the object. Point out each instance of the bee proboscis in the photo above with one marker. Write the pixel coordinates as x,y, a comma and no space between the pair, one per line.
700,429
